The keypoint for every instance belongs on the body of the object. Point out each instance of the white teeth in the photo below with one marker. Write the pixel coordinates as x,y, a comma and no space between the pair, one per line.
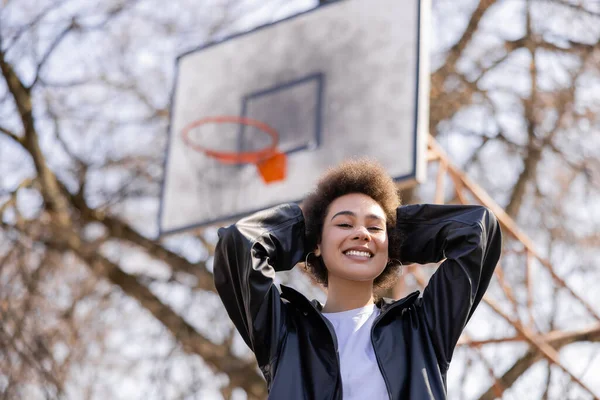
358,253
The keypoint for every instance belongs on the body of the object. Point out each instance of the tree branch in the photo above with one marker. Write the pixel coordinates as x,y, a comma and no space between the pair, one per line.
120,230
444,104
573,6
557,340
562,105
220,357
23,100
57,40
13,136
456,51
25,27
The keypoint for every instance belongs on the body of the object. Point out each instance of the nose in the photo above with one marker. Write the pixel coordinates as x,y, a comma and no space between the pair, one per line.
362,233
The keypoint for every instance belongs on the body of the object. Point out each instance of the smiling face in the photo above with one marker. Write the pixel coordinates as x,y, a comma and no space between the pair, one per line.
354,242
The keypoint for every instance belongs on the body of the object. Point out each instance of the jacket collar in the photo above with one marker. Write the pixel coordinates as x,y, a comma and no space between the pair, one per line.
385,304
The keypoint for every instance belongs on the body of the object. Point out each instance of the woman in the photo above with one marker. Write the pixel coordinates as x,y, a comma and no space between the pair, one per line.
352,235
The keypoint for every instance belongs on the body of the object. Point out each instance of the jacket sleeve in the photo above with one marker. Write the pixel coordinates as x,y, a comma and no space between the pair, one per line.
469,239
247,256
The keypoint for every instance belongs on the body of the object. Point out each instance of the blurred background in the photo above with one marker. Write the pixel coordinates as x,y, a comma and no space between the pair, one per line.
94,306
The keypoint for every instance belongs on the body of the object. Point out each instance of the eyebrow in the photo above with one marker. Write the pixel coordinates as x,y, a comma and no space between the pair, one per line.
350,213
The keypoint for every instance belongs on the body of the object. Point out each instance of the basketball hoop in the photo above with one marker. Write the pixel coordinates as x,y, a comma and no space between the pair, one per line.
270,162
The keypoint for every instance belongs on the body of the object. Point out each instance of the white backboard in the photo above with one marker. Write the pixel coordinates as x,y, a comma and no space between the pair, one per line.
349,78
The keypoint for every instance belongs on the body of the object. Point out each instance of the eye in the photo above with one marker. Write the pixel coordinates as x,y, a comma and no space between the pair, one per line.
344,225
375,229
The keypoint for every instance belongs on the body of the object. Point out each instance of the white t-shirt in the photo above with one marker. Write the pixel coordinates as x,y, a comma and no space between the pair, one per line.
361,378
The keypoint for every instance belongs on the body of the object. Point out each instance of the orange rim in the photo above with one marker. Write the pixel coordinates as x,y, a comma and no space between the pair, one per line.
231,157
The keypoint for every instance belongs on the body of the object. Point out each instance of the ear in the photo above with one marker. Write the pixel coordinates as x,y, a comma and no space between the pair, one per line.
318,251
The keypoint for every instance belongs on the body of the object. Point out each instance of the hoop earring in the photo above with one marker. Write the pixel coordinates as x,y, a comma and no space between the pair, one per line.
396,261
306,259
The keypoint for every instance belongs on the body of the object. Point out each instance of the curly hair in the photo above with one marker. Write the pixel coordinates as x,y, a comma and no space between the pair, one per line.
354,176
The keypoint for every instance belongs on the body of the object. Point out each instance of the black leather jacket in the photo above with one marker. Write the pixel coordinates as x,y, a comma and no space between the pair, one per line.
413,338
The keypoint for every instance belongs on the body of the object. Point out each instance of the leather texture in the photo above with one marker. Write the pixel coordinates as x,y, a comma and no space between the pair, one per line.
413,338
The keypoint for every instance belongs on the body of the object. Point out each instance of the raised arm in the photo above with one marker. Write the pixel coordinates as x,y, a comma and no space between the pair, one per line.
469,238
246,258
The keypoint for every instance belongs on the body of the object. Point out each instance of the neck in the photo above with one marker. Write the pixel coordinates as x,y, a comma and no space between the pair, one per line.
344,295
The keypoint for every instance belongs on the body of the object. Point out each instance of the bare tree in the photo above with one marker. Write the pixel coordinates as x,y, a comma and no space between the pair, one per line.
513,99
91,305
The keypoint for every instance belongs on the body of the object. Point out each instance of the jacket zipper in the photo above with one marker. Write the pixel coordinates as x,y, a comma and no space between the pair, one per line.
383,314
385,379
337,353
